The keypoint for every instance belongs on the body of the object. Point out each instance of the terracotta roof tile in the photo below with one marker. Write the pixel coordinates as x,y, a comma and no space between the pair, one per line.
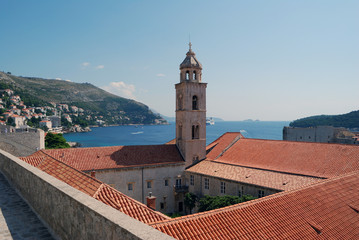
219,145
319,211
127,205
115,157
269,179
94,188
312,159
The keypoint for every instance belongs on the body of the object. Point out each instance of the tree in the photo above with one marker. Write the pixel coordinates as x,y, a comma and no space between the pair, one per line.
11,122
209,203
190,200
55,141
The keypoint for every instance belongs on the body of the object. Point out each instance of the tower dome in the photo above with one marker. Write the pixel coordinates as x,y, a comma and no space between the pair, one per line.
191,68
190,61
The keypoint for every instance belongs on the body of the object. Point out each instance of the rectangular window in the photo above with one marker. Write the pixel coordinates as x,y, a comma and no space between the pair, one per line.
206,183
260,193
166,182
130,186
149,184
191,180
178,182
223,187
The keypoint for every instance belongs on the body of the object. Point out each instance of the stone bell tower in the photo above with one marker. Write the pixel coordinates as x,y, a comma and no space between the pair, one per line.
191,110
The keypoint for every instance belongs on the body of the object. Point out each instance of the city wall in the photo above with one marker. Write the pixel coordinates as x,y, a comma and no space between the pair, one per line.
70,213
22,143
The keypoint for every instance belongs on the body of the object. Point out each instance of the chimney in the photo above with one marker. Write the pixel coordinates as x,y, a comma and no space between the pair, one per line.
151,201
93,173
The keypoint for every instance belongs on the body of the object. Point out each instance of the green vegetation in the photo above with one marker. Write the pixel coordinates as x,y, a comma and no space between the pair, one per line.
349,120
93,100
209,203
34,122
190,200
55,141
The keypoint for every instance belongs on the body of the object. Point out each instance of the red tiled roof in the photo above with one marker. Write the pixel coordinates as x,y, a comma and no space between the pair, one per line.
222,143
326,210
312,159
115,157
259,177
127,205
94,188
173,141
67,174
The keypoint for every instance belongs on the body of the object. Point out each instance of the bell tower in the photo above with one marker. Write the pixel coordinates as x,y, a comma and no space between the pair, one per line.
191,110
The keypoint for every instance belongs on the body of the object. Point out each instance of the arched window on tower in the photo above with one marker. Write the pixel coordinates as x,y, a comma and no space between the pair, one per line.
187,75
195,132
194,75
194,103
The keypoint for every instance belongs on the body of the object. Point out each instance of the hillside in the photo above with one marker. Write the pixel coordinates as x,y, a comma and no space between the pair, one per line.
95,101
348,120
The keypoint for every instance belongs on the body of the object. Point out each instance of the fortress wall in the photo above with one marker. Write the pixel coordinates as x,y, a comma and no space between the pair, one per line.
70,213
22,143
322,134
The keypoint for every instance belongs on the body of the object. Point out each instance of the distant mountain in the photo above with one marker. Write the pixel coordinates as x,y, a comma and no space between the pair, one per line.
348,120
95,101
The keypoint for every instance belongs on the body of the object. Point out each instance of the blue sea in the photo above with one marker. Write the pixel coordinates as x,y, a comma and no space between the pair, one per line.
159,134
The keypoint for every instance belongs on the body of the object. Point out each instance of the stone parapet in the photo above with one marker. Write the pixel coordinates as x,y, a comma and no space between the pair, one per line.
70,213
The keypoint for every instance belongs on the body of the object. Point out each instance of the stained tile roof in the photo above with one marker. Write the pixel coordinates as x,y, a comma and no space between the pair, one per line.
127,205
325,210
312,159
65,173
268,179
114,157
219,145
94,188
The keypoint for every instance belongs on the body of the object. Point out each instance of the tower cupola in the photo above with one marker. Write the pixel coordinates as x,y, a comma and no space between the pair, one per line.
191,68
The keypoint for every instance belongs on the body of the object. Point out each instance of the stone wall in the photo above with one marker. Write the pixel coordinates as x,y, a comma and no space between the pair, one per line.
139,176
322,134
22,143
70,213
231,187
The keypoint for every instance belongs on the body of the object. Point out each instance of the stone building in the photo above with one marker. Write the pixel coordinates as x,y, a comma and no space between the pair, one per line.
191,110
323,134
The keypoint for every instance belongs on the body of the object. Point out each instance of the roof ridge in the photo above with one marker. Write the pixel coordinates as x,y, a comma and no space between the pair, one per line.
255,201
85,148
265,169
98,190
229,145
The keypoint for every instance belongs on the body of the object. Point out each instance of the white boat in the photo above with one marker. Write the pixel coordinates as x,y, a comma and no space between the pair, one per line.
209,121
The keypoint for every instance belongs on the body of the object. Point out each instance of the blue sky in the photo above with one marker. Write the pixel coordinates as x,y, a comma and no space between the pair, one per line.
267,60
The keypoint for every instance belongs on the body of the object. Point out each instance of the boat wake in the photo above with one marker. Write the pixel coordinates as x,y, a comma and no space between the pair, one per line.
137,133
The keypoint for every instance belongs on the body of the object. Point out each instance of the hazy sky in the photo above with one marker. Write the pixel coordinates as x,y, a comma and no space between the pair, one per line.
267,60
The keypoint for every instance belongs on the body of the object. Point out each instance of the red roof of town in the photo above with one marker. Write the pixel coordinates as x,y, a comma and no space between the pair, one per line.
94,188
222,143
312,159
325,210
85,159
259,177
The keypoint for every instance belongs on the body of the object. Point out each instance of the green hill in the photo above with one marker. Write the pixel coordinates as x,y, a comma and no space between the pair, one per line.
348,120
95,101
